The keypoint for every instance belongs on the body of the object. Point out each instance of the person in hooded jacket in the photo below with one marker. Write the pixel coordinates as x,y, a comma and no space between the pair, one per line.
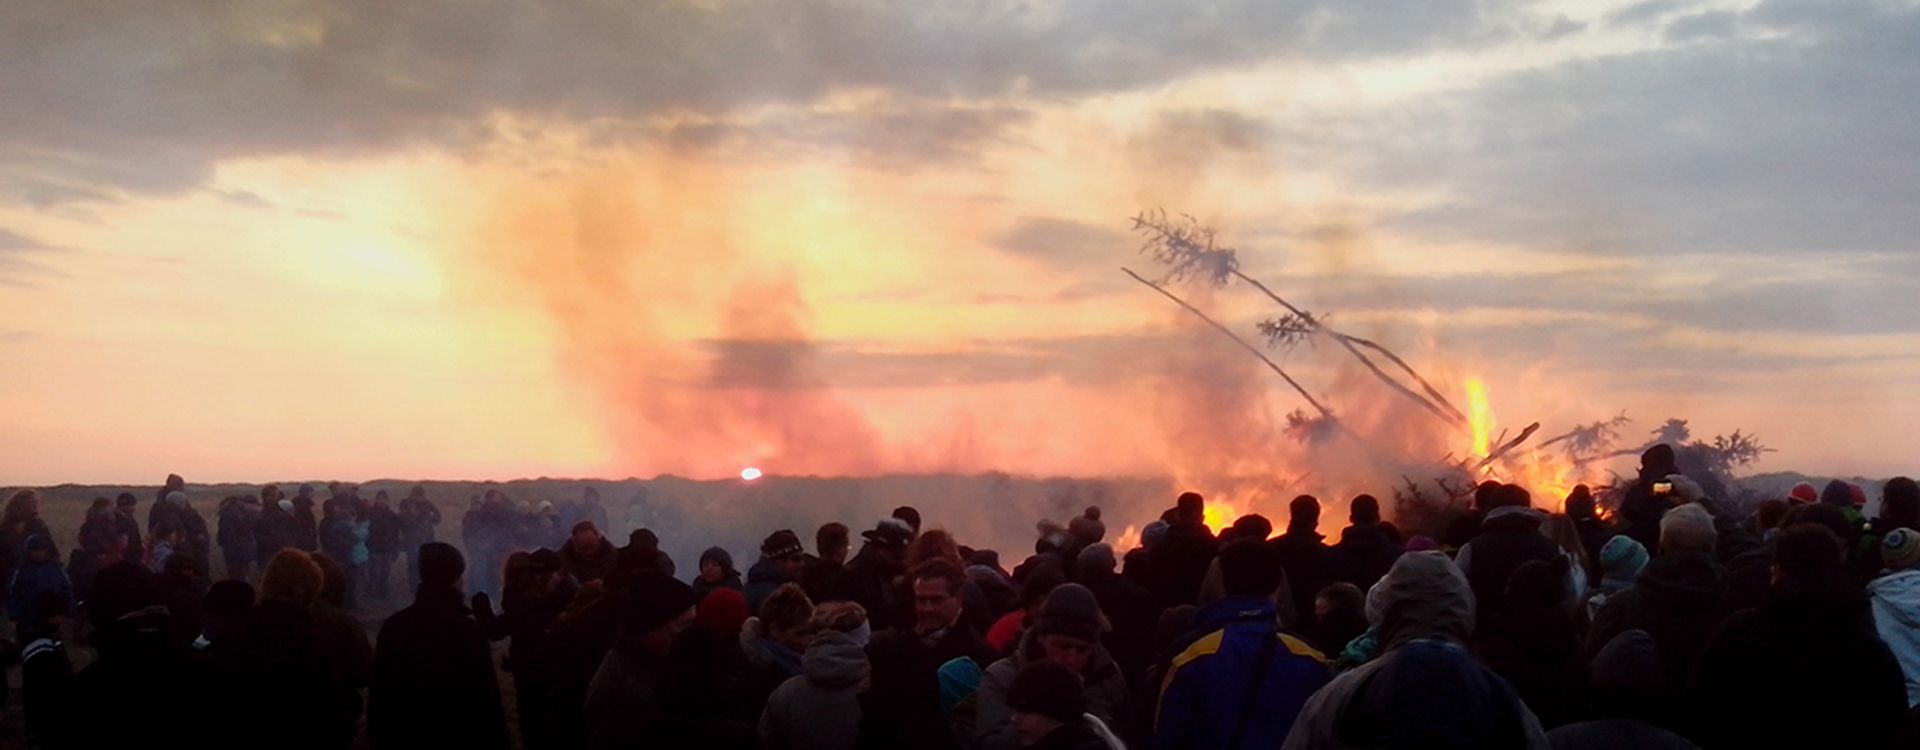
433,678
1509,537
1813,640
820,708
716,572
1068,632
1896,604
588,556
1238,680
1534,645
1678,599
1365,552
1425,689
1303,555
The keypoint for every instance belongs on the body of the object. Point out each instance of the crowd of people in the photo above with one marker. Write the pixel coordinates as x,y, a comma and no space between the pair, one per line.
1669,622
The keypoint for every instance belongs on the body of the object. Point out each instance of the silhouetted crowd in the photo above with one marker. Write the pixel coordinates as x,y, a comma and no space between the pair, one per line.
1669,622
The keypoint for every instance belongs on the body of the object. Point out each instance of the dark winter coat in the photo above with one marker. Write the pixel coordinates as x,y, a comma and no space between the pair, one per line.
867,581
31,582
1677,600
1303,555
46,678
902,710
762,579
633,703
274,532
1537,650
1132,612
133,650
1814,641
1509,537
433,679
337,539
1181,561
383,532
592,565
237,524
1364,554
284,645
125,526
1105,687
817,578
306,528
1239,683
13,545
417,520
820,709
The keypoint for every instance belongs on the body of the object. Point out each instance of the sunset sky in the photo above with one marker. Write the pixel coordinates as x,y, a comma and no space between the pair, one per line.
261,241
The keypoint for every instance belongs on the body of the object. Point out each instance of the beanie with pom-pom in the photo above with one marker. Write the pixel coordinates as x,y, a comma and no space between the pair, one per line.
1087,528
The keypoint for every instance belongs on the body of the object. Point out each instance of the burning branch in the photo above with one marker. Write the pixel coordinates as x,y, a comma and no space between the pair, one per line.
1325,413
1507,447
1188,250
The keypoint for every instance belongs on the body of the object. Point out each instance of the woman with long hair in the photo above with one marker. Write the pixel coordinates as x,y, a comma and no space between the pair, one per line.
18,523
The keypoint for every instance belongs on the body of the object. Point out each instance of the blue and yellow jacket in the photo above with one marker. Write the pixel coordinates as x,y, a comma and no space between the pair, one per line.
1239,683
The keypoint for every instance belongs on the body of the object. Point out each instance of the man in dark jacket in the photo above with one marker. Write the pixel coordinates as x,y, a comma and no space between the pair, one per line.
1678,599
433,677
124,524
1813,640
238,517
383,545
1510,537
274,530
588,556
1303,555
902,709
1365,551
1182,558
781,560
418,517
1241,681
306,528
1641,507
832,543
632,701
868,578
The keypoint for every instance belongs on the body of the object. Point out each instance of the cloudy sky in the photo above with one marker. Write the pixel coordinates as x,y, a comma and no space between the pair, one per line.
263,240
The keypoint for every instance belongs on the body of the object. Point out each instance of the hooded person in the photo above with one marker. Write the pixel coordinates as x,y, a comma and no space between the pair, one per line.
1237,680
716,572
820,708
1303,555
1679,598
1621,560
1048,711
1424,689
1068,632
587,555
1813,639
1896,604
631,701
433,675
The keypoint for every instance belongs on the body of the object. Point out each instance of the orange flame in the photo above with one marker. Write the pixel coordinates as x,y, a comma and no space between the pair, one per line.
1482,416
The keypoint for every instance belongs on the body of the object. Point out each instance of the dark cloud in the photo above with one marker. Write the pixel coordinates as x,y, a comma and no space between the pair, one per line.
890,134
1065,244
1785,143
145,96
20,259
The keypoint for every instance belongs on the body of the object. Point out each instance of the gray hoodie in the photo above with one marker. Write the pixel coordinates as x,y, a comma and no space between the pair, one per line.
820,708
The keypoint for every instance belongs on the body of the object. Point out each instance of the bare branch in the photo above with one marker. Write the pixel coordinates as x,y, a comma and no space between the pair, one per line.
1317,406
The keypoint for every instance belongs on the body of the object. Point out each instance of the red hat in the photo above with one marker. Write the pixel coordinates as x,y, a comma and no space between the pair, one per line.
723,611
1859,495
1804,493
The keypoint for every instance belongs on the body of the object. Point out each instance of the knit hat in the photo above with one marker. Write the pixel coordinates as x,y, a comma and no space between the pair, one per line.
440,564
959,680
782,543
721,556
1096,558
1858,494
1153,533
655,600
1422,543
723,611
1837,493
1622,558
890,532
1900,549
1071,610
1803,493
1087,527
1050,689
1688,527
